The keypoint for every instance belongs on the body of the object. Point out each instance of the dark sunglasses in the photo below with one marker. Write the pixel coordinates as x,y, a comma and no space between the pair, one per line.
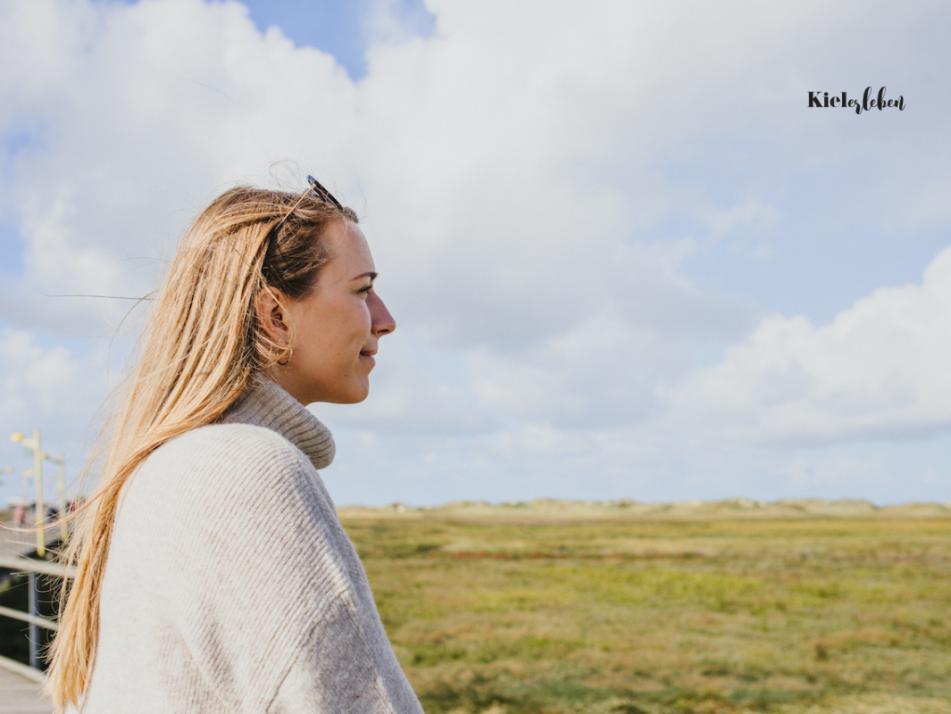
323,193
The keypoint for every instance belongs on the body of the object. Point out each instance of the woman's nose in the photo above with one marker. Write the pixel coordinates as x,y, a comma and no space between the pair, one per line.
383,322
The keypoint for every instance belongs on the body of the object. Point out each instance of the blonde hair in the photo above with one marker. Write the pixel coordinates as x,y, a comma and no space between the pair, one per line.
196,355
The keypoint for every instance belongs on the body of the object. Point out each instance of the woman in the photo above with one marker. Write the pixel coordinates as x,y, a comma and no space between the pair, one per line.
212,572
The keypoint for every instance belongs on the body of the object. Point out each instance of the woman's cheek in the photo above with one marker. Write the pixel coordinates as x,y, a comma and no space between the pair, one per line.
367,318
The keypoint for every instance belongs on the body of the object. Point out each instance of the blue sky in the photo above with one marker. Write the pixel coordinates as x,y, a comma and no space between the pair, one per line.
619,268
336,27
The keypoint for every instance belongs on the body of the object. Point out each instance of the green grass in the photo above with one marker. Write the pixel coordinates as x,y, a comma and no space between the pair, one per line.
630,614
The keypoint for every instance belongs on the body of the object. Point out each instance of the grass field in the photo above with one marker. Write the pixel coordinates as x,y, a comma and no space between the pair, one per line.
707,608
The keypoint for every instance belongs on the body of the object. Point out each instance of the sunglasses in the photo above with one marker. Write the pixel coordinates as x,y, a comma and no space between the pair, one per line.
323,193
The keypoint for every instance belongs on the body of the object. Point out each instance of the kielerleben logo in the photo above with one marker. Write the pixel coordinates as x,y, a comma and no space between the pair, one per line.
823,100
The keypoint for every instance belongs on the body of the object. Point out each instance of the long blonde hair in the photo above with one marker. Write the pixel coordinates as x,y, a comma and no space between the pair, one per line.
196,355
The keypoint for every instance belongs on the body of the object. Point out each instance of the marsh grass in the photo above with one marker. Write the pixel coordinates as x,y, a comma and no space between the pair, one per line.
614,614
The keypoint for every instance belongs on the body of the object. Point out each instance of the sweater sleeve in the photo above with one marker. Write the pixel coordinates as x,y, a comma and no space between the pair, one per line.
341,671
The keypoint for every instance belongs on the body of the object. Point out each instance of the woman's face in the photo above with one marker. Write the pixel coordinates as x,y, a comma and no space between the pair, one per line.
342,318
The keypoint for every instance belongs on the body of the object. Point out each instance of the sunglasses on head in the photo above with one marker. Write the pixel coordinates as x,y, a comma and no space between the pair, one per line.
323,193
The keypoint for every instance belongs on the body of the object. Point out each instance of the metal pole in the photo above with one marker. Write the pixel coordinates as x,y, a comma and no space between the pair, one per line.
34,644
62,501
40,508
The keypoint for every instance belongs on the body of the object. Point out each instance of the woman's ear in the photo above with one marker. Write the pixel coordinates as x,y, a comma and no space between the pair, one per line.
273,316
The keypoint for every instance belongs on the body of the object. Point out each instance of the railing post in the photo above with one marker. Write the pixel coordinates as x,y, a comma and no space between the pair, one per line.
40,506
34,632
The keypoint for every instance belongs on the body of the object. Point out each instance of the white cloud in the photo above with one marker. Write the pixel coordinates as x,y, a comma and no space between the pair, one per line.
34,378
878,370
49,387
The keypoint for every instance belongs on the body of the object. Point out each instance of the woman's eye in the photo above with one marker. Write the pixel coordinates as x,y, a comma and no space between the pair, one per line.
366,289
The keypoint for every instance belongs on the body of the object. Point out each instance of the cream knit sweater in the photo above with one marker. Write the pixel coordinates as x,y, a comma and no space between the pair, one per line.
230,584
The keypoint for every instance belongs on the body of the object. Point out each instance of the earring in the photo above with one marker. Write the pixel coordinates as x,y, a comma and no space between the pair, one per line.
290,353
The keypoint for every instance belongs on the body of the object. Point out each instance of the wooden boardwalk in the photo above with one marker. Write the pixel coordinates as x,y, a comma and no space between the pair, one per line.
19,693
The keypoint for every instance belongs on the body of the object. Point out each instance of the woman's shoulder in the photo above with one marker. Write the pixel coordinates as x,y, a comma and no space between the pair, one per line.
231,441
235,467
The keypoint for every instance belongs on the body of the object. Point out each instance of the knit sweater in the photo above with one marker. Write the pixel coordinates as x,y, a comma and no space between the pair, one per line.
230,584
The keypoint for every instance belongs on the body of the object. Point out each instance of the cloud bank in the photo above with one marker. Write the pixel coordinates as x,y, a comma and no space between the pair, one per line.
583,221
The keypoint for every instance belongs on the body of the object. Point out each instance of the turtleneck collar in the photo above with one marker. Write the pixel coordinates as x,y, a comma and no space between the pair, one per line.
268,404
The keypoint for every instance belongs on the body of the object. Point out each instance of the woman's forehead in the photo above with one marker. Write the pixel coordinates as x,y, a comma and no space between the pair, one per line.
349,252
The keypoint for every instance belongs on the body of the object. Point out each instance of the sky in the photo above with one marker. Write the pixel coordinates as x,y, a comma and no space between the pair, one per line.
625,257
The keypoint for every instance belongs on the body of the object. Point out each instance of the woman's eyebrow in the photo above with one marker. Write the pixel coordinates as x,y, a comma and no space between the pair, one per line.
362,275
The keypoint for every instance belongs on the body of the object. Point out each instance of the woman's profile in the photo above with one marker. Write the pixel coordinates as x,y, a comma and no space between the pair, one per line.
212,572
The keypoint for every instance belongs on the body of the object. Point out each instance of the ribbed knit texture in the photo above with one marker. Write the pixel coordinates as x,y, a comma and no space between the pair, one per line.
231,585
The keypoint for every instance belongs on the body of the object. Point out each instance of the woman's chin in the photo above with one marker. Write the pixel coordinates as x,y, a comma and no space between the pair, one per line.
354,396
